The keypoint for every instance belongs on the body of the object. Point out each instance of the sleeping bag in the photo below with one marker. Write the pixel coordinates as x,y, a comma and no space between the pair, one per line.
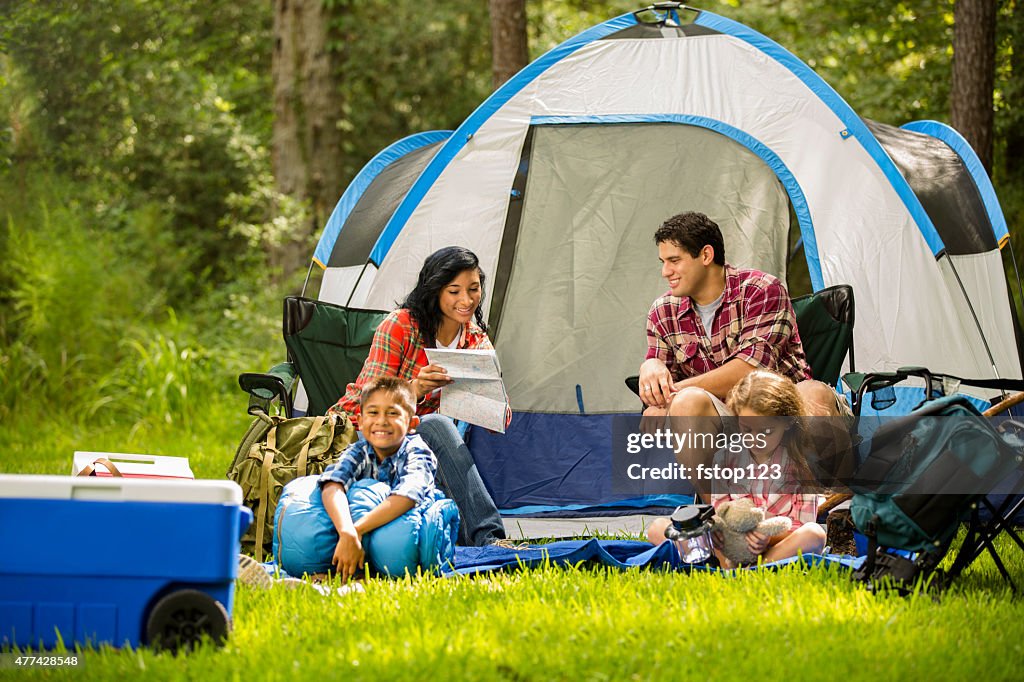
305,538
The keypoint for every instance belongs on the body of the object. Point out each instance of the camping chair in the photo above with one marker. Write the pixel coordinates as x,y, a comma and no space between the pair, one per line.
327,345
993,455
825,319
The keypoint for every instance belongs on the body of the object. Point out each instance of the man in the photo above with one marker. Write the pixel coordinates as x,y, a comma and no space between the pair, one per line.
715,325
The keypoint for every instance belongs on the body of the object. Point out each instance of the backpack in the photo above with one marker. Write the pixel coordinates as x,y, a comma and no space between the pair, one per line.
925,474
274,451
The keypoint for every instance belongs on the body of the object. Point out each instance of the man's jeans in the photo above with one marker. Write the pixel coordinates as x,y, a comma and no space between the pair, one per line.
458,478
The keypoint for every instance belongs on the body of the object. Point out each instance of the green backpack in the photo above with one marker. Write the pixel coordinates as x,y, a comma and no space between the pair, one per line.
274,451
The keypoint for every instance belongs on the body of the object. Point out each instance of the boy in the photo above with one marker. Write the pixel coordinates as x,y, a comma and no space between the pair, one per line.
386,454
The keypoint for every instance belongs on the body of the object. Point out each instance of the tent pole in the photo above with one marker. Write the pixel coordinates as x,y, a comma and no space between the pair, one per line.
309,271
977,322
1016,271
355,286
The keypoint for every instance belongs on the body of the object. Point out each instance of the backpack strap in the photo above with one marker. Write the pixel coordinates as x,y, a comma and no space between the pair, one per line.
300,463
264,498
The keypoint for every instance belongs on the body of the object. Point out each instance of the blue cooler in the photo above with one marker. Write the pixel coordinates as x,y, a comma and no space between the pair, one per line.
118,561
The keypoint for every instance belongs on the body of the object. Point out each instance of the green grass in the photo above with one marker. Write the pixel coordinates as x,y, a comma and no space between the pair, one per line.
583,623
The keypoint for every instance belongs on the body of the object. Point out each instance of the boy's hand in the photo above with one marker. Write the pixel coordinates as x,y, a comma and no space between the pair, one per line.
756,542
348,554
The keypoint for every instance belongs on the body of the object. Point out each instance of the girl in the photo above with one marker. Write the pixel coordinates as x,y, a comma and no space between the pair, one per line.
442,311
768,408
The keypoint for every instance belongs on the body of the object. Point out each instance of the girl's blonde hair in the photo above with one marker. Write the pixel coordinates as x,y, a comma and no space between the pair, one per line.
773,395
766,393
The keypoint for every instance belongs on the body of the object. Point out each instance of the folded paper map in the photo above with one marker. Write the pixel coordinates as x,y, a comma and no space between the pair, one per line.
477,394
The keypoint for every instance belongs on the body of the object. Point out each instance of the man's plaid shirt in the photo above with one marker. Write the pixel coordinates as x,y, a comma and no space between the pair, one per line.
397,350
756,323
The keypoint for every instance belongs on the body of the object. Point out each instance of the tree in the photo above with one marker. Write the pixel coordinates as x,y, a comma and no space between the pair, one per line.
509,53
306,147
974,66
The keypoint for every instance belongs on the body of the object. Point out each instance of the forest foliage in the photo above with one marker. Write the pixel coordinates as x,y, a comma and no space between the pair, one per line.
136,182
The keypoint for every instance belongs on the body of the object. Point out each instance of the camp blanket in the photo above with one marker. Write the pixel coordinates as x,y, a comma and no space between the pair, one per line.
621,554
618,553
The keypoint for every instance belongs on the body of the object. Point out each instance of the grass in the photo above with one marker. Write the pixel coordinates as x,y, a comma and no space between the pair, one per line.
582,623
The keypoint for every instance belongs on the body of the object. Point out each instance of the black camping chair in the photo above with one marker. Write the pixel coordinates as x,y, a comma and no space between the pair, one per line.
327,345
825,320
945,477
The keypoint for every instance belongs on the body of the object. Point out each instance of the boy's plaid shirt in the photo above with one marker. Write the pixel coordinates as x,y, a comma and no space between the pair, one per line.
756,323
409,472
397,350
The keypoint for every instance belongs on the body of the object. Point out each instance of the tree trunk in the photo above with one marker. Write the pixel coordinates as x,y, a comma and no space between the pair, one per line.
974,64
306,146
509,52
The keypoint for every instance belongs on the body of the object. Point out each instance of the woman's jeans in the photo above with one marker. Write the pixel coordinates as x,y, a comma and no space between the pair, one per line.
459,479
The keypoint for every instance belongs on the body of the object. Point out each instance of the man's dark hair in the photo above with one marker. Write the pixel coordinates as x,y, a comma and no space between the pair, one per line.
692,231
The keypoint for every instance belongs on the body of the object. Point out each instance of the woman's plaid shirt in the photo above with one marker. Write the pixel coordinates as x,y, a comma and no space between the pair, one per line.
397,350
756,323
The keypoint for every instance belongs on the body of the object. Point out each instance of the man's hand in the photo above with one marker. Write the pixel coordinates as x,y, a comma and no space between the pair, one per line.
655,383
653,419
348,554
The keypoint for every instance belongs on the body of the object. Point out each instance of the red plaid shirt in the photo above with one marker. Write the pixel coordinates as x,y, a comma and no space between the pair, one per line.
397,350
755,323
777,496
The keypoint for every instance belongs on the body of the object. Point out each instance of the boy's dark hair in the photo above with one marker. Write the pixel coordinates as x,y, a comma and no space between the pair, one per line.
692,231
399,389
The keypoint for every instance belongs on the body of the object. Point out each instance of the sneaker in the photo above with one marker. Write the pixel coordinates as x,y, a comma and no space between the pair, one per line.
351,587
252,572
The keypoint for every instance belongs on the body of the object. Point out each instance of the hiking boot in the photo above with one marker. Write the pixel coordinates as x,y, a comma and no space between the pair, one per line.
252,573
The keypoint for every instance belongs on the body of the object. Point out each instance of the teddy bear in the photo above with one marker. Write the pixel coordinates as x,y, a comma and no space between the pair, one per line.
735,518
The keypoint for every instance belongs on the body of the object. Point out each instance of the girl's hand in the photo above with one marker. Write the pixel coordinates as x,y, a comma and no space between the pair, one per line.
717,539
430,377
756,542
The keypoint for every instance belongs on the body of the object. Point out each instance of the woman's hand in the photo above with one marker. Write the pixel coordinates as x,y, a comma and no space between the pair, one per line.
430,377
348,554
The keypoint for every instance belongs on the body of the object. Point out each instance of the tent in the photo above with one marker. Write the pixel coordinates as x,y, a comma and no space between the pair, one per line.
559,179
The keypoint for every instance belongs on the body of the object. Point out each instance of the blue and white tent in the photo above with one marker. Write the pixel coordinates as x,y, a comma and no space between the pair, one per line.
559,179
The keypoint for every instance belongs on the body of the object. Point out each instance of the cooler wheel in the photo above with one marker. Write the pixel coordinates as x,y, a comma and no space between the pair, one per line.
180,620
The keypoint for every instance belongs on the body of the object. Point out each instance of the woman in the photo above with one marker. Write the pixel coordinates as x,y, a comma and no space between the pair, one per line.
442,311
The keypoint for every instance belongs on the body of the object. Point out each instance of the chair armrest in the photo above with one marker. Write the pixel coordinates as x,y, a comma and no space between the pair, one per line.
264,388
861,383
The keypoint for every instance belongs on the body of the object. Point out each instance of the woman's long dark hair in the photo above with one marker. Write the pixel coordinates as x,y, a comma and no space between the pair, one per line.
438,270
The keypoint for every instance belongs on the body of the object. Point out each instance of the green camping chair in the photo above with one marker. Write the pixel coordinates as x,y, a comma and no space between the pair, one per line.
825,320
327,345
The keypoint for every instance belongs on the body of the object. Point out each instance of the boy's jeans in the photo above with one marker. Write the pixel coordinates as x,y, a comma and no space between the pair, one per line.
458,478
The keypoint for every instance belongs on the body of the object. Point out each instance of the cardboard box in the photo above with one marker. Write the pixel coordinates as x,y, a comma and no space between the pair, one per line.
133,466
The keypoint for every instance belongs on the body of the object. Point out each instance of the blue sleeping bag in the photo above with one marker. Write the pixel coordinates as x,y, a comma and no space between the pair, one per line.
305,538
